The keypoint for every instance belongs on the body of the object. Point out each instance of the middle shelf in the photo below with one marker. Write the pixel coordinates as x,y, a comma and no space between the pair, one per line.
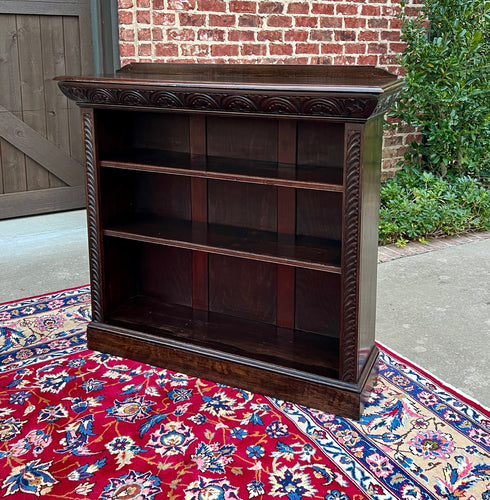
295,250
235,169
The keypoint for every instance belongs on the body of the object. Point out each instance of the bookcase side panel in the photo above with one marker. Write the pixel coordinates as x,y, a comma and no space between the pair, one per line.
371,174
93,213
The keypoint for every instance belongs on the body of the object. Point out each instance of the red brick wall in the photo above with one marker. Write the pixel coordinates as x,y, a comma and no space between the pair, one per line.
257,31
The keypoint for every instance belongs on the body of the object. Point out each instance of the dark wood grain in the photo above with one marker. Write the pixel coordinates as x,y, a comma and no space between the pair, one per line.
232,217
294,250
287,348
223,168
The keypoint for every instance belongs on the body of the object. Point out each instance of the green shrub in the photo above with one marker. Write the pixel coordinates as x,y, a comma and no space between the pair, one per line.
417,205
447,86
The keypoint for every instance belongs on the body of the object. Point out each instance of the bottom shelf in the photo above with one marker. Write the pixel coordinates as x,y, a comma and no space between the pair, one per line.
284,348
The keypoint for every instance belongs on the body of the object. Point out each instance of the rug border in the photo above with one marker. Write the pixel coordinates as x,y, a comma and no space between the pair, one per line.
44,294
444,385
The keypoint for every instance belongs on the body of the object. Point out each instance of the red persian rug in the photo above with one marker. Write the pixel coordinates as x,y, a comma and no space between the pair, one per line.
81,424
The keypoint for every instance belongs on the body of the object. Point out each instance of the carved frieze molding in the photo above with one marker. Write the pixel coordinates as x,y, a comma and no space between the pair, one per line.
294,104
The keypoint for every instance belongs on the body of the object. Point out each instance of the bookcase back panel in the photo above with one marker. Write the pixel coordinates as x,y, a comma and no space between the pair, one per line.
243,288
166,274
143,269
126,130
246,138
130,193
252,206
320,143
319,214
119,286
317,302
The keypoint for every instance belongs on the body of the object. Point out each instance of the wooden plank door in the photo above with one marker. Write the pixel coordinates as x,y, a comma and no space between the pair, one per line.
40,130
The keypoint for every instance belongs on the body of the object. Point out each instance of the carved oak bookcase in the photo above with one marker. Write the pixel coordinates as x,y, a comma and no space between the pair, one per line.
232,217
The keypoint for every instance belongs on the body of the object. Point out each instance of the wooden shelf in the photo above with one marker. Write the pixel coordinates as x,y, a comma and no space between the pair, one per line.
282,347
267,246
232,169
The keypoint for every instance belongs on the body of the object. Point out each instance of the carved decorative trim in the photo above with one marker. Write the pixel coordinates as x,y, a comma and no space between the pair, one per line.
350,257
239,102
93,233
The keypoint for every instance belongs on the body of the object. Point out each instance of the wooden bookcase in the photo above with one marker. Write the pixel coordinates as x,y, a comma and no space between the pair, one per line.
232,218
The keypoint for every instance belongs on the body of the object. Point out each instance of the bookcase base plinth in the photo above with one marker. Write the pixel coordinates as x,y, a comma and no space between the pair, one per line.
322,393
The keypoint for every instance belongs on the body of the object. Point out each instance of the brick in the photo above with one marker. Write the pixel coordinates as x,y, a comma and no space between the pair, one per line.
279,21
367,60
125,4
396,24
163,19
143,16
158,4
181,4
194,50
249,21
211,5
144,4
306,21
377,48
296,35
397,47
222,20
166,50
126,35
253,49
241,36
347,9
344,60
144,49
377,23
144,34
307,48
368,36
280,49
192,19
214,35
332,48
127,49
370,10
156,34
321,35
392,35
270,7
331,22
294,60
354,22
355,48
180,34
242,6
125,17
298,8
345,36
323,9
390,11
320,60
271,36
224,50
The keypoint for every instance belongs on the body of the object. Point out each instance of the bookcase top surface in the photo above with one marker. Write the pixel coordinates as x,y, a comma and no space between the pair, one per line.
346,93
278,77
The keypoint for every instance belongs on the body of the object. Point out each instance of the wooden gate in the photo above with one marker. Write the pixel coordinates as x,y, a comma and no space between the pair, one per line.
40,130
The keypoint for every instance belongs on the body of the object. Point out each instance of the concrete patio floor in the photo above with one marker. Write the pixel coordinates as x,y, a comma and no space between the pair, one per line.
433,308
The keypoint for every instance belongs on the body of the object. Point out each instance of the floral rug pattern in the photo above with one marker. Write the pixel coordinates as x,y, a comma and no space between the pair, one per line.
76,423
